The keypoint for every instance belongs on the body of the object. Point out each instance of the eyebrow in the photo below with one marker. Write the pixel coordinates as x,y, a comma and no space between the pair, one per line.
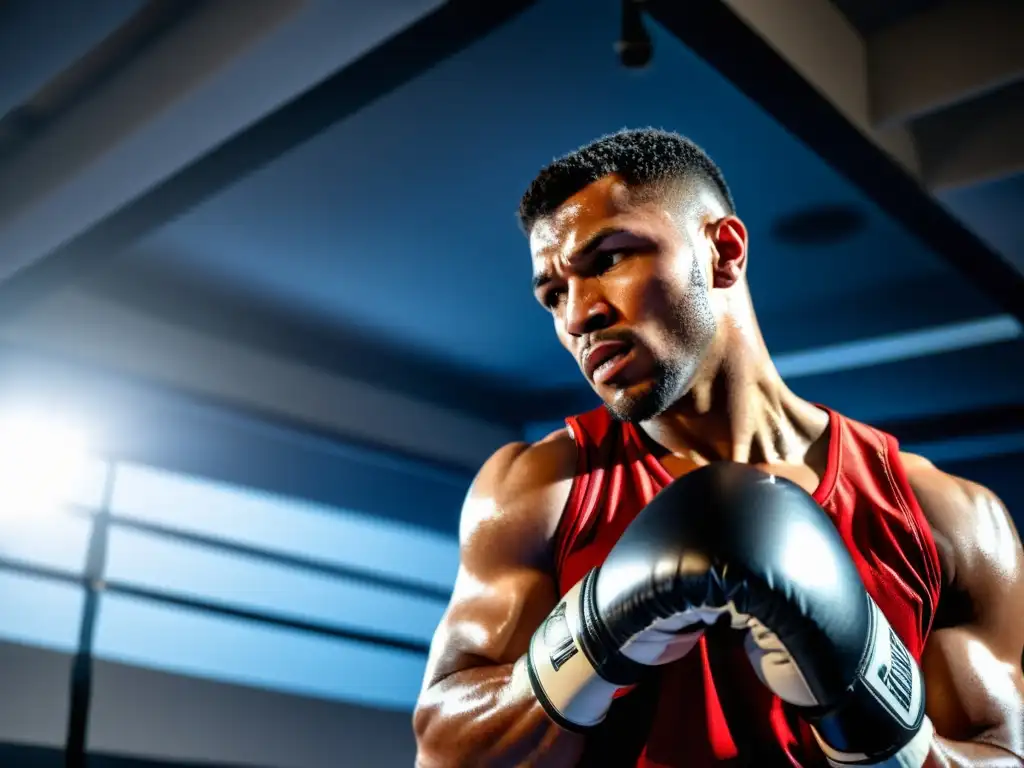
543,278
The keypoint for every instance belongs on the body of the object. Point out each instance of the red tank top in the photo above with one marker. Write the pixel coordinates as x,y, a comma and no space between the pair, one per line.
709,707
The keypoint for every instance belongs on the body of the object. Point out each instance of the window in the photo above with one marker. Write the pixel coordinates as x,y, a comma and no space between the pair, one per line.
233,584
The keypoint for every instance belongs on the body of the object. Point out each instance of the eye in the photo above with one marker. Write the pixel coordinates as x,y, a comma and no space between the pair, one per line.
554,297
605,260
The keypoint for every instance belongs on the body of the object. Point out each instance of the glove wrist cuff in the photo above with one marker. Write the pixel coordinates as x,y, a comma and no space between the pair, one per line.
882,714
914,754
563,674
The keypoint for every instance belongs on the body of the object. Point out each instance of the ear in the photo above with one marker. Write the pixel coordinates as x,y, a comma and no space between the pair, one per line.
729,241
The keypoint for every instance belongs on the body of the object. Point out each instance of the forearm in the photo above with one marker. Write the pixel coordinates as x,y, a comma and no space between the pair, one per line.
489,716
946,753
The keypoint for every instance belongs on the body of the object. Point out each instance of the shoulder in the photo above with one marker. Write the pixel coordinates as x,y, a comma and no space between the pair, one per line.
973,530
519,494
956,507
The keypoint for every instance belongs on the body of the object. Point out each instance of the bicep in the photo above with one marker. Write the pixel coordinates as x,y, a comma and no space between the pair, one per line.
503,588
489,622
972,661
973,692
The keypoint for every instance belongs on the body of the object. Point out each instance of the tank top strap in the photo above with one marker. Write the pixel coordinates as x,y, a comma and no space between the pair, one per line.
616,475
598,449
868,466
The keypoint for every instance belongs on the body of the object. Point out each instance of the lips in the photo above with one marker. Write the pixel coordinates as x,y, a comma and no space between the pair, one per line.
603,355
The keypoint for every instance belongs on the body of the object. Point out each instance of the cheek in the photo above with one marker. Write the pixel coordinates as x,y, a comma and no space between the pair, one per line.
641,292
668,310
658,299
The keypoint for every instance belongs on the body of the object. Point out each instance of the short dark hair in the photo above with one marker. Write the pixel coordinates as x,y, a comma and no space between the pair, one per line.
644,157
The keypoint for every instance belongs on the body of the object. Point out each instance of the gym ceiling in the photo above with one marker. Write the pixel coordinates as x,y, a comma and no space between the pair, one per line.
335,183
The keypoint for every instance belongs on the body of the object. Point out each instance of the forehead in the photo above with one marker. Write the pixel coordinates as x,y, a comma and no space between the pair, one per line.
583,214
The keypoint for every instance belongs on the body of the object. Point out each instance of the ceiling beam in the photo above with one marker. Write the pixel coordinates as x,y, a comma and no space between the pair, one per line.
817,40
972,143
966,436
74,348
758,69
35,50
431,39
119,140
896,347
985,422
944,56
138,283
72,79
969,449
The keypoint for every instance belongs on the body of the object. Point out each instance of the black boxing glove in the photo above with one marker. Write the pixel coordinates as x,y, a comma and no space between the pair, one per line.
732,540
575,666
580,657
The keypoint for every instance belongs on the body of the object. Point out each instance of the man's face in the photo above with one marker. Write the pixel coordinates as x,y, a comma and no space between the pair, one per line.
626,284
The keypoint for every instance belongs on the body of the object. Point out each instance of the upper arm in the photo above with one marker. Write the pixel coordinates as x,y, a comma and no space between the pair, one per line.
505,585
972,660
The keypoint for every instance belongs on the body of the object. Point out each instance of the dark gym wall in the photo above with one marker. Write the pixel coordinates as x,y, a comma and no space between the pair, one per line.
148,719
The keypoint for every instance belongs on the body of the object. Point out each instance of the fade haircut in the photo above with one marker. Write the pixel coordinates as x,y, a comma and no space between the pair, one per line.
645,158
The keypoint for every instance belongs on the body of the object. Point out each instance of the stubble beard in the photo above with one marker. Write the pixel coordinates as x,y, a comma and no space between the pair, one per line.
693,328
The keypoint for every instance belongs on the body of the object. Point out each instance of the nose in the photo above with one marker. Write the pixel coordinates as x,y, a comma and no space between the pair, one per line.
586,310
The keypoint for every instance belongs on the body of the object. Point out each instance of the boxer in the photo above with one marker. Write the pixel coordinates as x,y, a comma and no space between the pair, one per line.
708,569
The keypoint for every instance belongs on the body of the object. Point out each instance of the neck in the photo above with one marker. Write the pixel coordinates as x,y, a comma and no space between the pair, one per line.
739,409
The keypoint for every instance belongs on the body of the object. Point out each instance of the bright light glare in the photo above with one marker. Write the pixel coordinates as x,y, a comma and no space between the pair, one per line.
41,459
